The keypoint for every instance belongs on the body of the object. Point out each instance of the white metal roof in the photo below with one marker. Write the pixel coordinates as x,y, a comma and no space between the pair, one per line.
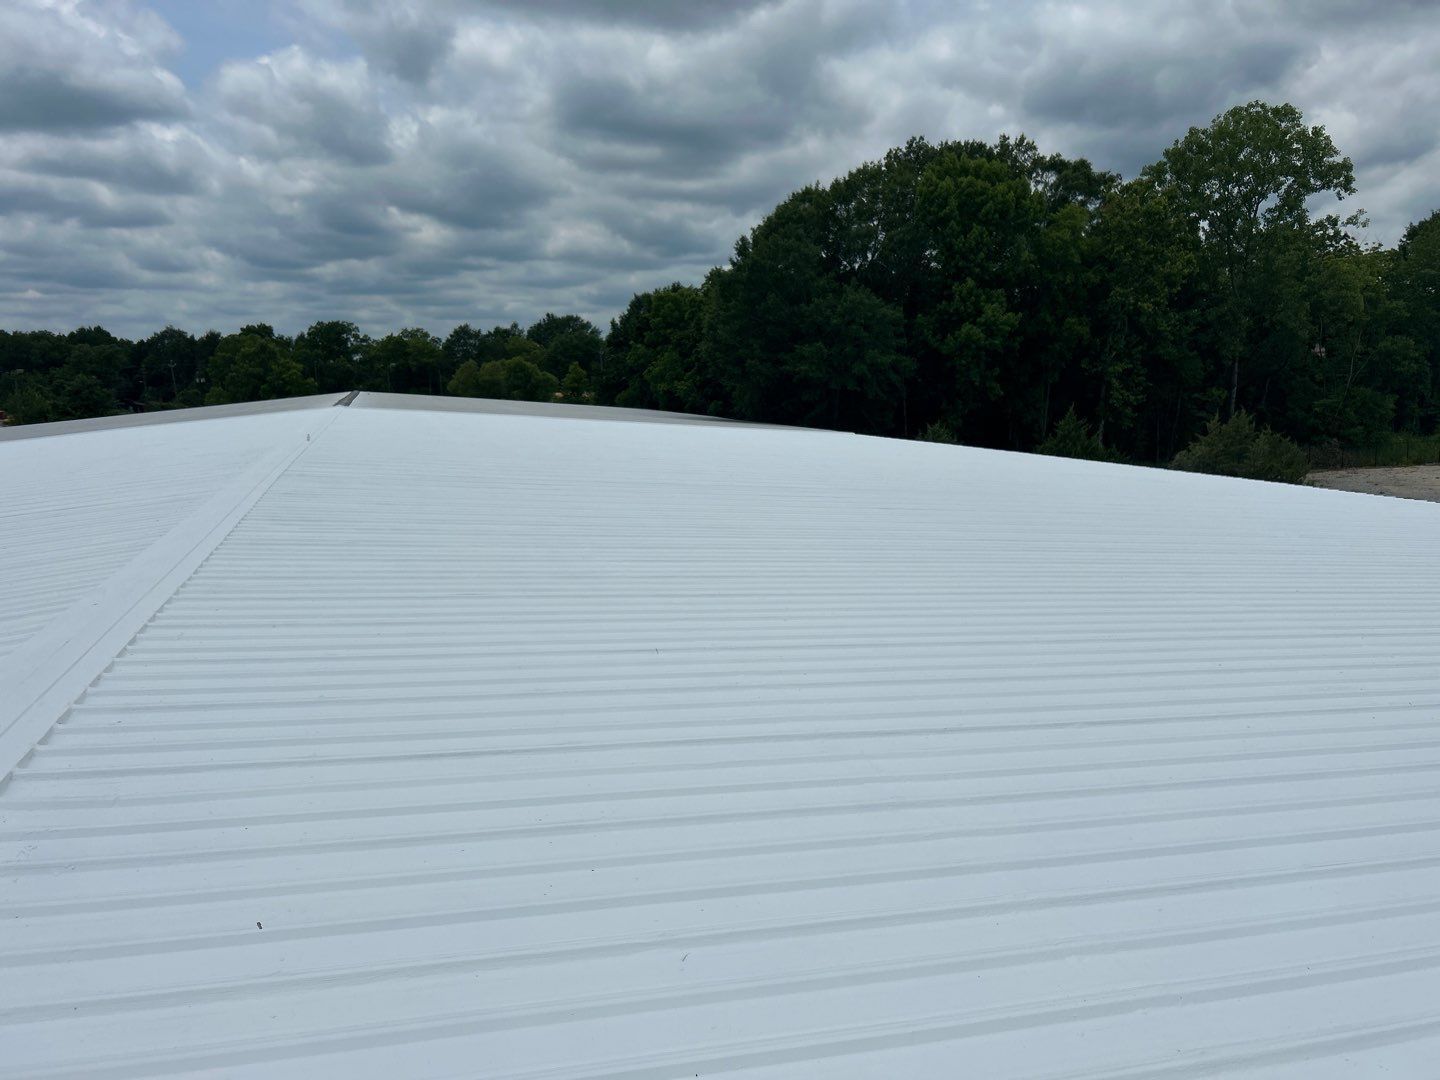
535,746
75,509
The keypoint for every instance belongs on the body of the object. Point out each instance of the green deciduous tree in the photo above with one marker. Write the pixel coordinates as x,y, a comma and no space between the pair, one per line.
1140,358
798,343
1413,279
655,356
567,340
78,394
250,366
408,362
464,343
333,353
575,387
511,379
169,360
26,400
984,217
1243,184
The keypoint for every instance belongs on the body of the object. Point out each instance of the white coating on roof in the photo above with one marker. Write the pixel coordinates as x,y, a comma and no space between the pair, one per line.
508,746
75,508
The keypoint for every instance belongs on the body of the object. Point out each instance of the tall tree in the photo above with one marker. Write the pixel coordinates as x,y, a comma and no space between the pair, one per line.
655,355
1414,279
1144,264
1243,183
567,340
333,353
799,344
408,362
250,366
168,361
985,219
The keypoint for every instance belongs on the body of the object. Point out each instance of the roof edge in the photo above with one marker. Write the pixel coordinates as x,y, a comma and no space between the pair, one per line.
371,399
169,416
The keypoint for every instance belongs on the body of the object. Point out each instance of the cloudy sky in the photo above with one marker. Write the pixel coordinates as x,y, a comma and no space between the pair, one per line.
208,163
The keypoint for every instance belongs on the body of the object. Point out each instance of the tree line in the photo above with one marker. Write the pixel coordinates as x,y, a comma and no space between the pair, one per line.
984,293
90,372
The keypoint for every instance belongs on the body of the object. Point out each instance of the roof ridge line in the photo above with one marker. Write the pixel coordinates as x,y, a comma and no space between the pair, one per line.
86,424
46,675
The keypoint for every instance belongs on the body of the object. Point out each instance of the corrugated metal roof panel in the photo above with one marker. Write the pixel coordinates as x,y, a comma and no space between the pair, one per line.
76,507
522,747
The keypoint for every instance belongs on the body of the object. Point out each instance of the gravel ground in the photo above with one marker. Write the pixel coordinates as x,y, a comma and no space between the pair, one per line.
1406,482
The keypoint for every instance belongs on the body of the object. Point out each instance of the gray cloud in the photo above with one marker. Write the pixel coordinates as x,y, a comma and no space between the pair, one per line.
435,161
88,204
145,160
39,100
619,123
292,104
1336,13
1139,83
764,81
658,14
406,38
471,179
64,68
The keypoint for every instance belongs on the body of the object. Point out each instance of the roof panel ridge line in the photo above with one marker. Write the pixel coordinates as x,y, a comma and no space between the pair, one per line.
43,678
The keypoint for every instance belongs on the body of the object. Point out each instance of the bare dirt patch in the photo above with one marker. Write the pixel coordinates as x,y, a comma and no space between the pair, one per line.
1404,481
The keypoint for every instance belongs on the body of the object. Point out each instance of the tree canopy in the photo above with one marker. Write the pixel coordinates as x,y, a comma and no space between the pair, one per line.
986,293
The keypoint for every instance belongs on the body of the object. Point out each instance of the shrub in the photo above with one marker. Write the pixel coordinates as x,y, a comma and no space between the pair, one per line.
1392,448
1073,438
939,431
1235,447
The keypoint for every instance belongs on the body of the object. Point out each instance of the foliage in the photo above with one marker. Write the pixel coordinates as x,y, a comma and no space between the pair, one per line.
1243,186
335,355
28,403
511,379
575,387
466,381
654,356
409,362
251,366
1392,448
1236,447
1073,438
954,286
567,340
1142,350
802,343
1413,281
937,431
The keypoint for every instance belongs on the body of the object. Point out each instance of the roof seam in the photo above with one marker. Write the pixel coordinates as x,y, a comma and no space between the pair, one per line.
41,680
